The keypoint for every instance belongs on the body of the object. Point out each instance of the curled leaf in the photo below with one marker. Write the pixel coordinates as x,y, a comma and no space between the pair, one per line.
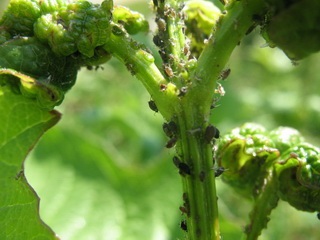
48,6
295,28
134,22
80,26
285,138
298,174
201,20
19,17
42,74
246,154
46,95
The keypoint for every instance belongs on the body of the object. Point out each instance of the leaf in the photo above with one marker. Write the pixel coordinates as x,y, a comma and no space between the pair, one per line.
22,123
295,29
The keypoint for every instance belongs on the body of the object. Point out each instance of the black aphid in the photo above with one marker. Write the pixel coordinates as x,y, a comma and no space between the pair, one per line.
210,133
183,225
172,142
218,171
184,209
153,106
163,87
158,41
184,168
214,103
170,129
225,73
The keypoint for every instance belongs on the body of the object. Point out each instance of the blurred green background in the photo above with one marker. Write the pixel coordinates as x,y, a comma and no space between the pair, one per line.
103,173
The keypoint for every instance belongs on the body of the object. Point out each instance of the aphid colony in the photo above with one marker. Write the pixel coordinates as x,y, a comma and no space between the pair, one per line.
173,63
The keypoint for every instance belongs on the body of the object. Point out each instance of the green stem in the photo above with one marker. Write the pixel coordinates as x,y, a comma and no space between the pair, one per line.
171,38
199,187
230,30
176,38
141,64
265,202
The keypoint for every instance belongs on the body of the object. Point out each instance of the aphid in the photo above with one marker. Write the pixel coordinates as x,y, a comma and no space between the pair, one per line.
214,102
183,91
158,41
185,210
19,175
185,197
202,176
218,171
96,68
163,87
168,70
186,50
131,69
89,68
258,18
153,106
163,55
225,73
183,225
162,26
184,168
172,142
318,215
210,133
170,129
251,28
169,12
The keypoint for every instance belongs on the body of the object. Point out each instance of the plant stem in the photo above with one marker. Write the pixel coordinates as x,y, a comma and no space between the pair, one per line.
199,187
175,36
193,149
264,203
230,30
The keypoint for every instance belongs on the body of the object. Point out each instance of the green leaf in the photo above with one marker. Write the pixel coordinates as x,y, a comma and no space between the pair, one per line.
22,123
134,22
295,29
299,177
246,152
80,26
